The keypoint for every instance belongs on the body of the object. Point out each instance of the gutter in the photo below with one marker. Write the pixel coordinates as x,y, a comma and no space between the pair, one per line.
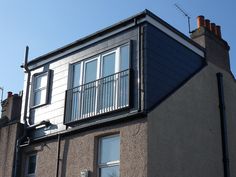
223,120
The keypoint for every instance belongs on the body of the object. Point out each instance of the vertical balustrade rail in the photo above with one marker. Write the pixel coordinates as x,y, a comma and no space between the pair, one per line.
97,97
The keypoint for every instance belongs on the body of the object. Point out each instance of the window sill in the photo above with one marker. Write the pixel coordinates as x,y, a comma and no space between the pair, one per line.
38,106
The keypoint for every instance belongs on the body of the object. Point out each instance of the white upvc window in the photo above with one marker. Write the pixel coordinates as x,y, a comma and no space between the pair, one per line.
98,85
40,89
30,170
101,66
109,156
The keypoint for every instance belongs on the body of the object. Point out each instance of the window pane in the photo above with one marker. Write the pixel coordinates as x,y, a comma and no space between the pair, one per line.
41,81
76,75
107,89
90,71
31,164
110,149
107,93
76,103
89,91
108,65
40,97
124,58
110,172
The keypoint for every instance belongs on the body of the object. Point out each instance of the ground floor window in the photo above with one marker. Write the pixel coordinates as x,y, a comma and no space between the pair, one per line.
109,156
31,165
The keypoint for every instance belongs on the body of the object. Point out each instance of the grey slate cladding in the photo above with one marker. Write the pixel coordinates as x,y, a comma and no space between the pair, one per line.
167,65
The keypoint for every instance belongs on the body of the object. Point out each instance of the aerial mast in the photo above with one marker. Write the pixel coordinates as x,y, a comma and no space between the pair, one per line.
186,15
1,88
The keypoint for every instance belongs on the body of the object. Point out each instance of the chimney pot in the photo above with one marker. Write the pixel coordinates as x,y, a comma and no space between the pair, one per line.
212,27
200,21
9,94
218,31
207,24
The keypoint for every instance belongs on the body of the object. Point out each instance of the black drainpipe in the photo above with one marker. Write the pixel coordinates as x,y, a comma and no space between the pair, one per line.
140,68
58,154
224,135
20,139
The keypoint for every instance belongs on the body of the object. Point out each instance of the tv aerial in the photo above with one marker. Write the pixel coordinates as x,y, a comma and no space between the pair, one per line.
185,14
1,89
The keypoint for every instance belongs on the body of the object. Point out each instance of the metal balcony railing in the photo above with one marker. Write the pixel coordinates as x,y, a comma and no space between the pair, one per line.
97,97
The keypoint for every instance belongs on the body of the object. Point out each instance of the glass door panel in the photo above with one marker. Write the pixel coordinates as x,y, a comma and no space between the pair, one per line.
124,58
107,84
76,75
90,71
89,88
76,92
123,92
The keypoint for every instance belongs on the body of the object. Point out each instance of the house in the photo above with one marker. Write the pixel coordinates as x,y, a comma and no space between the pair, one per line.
136,99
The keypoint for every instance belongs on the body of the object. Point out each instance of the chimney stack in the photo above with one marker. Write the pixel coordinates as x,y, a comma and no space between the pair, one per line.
208,35
202,22
11,107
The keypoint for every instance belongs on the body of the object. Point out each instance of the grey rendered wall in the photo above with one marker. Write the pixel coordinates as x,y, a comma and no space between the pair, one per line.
230,102
79,152
8,137
184,135
168,64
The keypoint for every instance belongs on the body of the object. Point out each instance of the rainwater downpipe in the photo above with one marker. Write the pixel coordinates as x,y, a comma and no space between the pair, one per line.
140,69
20,139
58,154
139,66
224,135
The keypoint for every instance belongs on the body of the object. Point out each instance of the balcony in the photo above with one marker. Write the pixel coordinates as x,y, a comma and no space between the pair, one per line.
98,97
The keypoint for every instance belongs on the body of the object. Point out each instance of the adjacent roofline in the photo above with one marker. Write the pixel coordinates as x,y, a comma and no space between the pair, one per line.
131,20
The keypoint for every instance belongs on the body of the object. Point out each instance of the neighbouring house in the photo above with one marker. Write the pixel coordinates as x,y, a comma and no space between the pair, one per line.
136,99
10,130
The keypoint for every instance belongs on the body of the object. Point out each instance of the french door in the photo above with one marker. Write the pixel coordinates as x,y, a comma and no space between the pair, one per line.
100,84
89,88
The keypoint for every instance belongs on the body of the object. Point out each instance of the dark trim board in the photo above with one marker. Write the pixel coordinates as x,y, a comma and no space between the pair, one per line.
113,121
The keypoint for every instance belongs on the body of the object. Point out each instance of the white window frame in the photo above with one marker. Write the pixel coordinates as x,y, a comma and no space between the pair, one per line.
34,90
83,70
27,166
117,59
99,64
99,58
110,163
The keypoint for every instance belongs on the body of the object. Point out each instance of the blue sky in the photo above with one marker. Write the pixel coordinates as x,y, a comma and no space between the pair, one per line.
49,24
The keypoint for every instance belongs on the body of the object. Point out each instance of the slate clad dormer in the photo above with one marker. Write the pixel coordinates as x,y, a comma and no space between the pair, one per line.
115,73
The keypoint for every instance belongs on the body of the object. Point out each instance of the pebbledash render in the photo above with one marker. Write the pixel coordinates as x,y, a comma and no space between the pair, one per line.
136,99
